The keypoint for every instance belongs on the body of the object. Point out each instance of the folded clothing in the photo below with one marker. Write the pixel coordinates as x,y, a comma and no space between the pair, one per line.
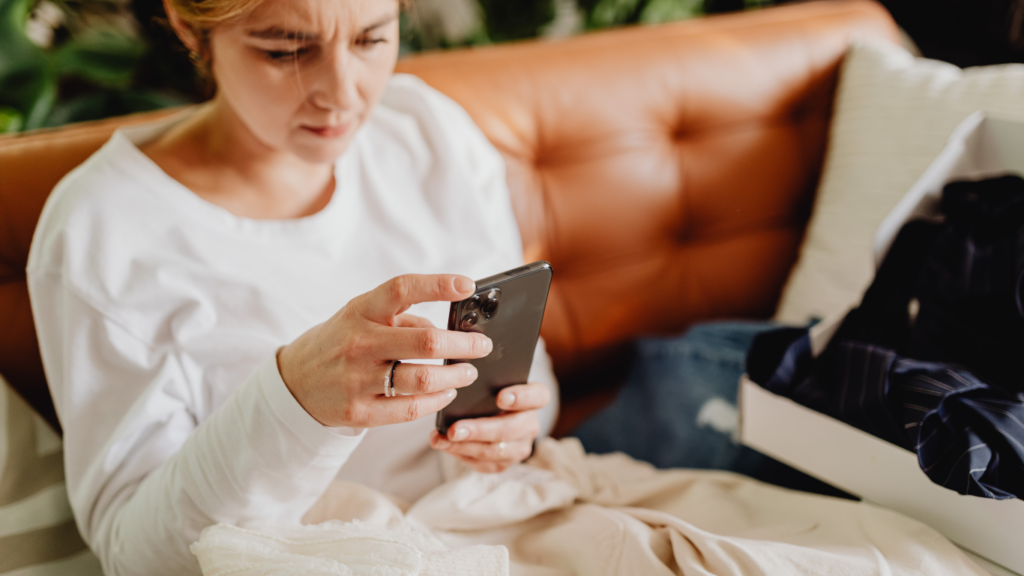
931,359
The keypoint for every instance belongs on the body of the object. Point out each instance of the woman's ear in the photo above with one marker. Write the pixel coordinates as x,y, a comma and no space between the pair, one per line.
183,30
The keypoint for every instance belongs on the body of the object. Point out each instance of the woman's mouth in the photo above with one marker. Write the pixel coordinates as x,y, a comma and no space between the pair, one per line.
329,131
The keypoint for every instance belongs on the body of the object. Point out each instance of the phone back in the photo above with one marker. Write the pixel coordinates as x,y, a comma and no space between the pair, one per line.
509,309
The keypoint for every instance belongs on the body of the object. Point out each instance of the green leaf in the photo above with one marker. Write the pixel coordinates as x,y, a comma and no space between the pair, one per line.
506,20
109,103
17,52
103,56
612,12
658,11
41,107
13,15
10,120
144,101
26,75
80,109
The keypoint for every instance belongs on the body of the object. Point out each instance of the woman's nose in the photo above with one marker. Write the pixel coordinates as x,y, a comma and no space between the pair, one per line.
334,87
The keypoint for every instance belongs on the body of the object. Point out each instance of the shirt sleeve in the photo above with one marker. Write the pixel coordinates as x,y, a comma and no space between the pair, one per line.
144,476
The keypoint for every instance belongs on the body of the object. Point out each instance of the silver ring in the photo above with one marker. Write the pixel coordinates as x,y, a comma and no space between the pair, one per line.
389,380
392,377
501,450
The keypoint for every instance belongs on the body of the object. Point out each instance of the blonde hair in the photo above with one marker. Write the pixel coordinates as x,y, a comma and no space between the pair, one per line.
201,16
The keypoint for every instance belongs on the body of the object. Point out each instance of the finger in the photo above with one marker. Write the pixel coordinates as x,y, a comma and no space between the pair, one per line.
532,396
412,321
507,427
428,343
438,441
511,452
427,378
395,296
400,409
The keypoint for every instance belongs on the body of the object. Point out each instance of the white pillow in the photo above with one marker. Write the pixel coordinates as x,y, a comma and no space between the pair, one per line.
38,536
893,114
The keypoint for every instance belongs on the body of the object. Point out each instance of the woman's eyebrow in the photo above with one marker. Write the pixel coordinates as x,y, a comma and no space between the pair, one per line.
275,33
382,22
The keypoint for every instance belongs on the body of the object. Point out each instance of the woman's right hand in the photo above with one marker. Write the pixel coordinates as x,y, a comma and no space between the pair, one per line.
337,369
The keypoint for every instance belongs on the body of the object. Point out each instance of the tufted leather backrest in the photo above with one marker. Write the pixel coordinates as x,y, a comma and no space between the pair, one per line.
666,172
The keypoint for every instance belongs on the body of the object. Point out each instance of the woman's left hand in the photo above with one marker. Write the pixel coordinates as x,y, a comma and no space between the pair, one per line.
496,443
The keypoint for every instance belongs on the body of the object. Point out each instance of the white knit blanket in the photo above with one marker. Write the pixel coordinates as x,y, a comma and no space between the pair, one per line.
567,512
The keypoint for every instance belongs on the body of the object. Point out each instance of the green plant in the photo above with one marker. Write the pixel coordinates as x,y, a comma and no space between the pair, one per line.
63,65
505,20
70,60
605,13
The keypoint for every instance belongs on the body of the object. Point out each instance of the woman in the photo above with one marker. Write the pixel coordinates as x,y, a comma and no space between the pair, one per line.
220,296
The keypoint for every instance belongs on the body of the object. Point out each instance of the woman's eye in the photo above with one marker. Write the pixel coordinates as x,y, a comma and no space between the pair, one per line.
371,41
285,55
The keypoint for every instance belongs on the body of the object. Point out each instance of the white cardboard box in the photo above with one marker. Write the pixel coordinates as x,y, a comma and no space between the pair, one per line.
866,466
879,472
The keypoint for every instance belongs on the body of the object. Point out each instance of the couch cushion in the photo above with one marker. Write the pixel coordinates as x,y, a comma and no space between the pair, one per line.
893,115
38,535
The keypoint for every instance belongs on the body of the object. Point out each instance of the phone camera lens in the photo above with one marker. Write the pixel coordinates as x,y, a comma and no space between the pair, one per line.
490,305
469,320
473,303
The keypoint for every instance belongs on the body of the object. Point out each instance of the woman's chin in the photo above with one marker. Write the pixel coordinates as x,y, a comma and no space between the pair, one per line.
319,150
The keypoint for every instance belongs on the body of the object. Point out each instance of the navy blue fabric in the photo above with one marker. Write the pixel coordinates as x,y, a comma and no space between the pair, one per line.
971,284
675,403
967,435
947,383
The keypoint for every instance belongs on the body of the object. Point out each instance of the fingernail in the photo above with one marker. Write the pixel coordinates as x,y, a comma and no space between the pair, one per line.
463,284
488,345
471,372
508,399
461,434
449,394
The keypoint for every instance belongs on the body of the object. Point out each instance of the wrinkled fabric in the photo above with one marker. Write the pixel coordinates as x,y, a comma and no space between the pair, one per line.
340,549
970,287
964,432
944,382
567,512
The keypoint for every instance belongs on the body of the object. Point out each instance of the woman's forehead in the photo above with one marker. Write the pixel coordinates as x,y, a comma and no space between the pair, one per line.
311,19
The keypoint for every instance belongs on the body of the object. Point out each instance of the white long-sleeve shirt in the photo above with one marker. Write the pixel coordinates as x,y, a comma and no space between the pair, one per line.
159,315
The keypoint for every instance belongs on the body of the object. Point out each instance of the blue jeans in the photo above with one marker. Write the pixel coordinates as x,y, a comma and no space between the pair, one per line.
678,407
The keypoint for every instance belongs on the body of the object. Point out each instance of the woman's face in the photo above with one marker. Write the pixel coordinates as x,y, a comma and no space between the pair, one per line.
303,75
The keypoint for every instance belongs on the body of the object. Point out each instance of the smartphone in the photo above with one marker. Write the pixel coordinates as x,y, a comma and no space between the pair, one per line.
508,308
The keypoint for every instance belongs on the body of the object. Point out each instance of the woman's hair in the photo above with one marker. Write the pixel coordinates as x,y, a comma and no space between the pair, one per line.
201,16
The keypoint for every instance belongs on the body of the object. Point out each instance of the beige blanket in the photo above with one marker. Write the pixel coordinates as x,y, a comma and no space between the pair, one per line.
568,512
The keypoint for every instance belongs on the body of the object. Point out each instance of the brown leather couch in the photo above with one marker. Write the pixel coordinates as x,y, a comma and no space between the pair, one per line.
666,172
